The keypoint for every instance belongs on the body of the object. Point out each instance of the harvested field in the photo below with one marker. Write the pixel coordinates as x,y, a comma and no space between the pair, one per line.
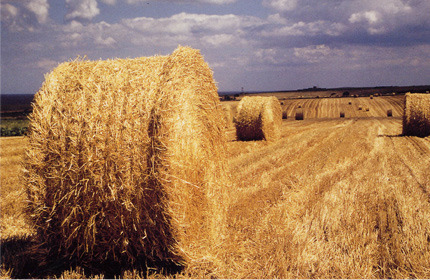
333,198
331,107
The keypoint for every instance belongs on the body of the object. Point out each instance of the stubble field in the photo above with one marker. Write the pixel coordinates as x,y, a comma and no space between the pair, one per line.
333,198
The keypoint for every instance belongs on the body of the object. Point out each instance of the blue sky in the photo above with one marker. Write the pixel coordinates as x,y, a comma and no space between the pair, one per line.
261,45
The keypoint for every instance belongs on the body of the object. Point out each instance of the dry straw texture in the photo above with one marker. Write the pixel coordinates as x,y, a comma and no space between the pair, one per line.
228,116
125,161
258,118
416,116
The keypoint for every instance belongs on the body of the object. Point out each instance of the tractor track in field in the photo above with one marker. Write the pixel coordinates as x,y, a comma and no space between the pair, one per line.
423,151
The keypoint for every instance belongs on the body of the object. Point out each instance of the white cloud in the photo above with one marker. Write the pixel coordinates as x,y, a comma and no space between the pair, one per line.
9,17
312,54
277,19
306,29
82,9
371,17
40,8
217,2
109,2
24,15
192,25
281,5
219,39
8,10
46,64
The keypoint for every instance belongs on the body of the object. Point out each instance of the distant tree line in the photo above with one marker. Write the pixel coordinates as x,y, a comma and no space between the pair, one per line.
13,131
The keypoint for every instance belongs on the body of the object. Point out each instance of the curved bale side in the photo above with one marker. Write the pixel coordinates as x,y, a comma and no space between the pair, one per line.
416,115
258,118
125,160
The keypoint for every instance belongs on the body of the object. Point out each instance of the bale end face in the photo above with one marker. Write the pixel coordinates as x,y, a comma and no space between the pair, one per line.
284,115
299,115
258,118
416,115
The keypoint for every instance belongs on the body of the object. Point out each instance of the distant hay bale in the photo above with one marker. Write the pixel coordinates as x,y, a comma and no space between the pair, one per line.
282,103
416,115
125,161
342,114
389,113
300,115
371,97
360,108
299,106
284,114
367,109
349,103
258,118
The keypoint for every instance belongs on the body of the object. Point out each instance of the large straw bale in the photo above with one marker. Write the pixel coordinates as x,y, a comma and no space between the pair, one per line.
416,115
258,118
125,161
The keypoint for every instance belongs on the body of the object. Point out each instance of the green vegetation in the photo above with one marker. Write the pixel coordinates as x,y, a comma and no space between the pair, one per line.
13,127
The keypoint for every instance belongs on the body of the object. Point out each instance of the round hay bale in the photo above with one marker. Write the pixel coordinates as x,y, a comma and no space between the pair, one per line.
416,115
300,115
125,160
258,118
349,103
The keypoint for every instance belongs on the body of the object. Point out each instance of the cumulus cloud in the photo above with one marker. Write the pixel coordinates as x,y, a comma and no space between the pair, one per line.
217,2
40,8
312,54
9,17
24,15
46,64
337,37
193,27
109,2
281,5
82,9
